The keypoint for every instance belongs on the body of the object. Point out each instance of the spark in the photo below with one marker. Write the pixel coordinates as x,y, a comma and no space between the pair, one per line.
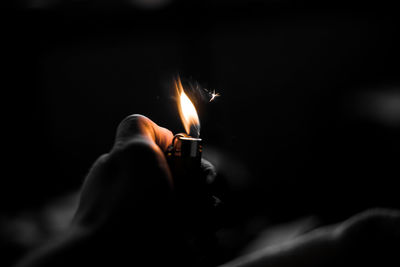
213,95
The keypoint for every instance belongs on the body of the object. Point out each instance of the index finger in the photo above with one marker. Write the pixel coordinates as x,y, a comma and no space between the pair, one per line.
139,126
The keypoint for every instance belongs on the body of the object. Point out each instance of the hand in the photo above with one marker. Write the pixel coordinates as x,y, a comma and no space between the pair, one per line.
126,214
132,183
131,190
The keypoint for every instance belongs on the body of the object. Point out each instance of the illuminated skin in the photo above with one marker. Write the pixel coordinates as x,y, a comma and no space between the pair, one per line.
124,217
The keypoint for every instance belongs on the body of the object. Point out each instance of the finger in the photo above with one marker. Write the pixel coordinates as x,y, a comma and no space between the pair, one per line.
139,126
133,179
208,171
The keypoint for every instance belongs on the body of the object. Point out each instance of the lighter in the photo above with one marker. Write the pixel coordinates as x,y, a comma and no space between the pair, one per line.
184,153
197,205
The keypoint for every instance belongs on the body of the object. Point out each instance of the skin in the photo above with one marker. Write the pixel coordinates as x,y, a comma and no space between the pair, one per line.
126,216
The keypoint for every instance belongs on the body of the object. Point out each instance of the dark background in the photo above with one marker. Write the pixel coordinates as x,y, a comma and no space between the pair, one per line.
310,96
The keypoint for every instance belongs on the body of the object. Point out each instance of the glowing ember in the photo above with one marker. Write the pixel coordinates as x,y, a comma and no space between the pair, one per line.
213,95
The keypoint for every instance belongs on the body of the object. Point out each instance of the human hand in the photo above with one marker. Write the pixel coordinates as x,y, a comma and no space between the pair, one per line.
129,192
126,213
131,180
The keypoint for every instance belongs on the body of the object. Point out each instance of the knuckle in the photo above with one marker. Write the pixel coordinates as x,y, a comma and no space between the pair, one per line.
208,171
102,159
133,120
100,162
131,125
207,167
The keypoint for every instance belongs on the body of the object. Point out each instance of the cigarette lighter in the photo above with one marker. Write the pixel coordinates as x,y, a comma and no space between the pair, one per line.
184,159
197,205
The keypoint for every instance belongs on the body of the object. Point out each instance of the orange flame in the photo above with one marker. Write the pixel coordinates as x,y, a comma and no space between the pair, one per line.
187,111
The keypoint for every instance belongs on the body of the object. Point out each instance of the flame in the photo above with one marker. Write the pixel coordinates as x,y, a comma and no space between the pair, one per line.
187,111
